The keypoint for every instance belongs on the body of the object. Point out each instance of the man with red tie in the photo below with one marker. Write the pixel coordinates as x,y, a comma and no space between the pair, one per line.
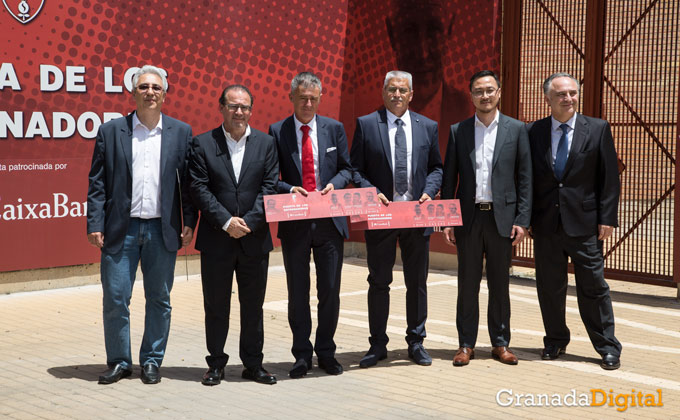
313,156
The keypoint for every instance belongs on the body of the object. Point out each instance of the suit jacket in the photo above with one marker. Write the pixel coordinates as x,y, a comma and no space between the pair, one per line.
219,197
371,155
588,194
109,195
334,166
511,180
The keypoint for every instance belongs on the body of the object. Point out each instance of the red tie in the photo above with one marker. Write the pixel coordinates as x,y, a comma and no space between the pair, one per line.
308,178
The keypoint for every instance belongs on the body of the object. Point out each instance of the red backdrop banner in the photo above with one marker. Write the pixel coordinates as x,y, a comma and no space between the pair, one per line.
66,67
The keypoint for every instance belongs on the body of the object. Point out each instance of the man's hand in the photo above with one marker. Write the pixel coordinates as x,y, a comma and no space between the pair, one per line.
328,188
518,233
383,199
604,232
187,235
300,190
424,197
96,239
237,228
449,237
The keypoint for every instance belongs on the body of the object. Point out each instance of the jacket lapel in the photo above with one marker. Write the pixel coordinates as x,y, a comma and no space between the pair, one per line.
222,152
322,143
384,136
418,135
126,140
167,144
248,154
468,137
289,137
578,141
500,138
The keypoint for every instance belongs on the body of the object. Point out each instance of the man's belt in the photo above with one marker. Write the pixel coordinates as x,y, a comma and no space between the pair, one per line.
484,206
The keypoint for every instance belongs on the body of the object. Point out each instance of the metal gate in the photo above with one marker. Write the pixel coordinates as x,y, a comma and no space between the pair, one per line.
626,54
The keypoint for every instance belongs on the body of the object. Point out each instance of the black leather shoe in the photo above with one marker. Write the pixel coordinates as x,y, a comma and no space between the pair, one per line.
115,374
150,374
610,362
372,356
258,374
551,352
213,376
417,352
331,366
300,368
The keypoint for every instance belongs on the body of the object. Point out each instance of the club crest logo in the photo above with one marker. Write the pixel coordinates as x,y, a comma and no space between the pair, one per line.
23,10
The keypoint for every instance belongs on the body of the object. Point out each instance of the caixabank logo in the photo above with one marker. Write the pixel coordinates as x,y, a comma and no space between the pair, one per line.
23,10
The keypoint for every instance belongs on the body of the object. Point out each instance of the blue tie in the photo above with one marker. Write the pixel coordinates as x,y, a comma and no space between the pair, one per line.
562,153
400,157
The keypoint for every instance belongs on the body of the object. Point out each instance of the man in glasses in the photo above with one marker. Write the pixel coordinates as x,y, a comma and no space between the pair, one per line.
135,201
313,156
232,167
488,168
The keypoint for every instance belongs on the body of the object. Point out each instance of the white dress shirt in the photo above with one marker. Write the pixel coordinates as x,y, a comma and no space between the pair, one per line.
313,136
556,134
146,169
392,131
485,143
237,148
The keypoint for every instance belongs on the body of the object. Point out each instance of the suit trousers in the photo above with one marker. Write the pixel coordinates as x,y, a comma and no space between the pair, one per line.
482,239
321,238
217,271
143,242
592,291
381,249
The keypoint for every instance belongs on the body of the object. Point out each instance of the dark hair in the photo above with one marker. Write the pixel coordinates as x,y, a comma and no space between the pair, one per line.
223,100
484,73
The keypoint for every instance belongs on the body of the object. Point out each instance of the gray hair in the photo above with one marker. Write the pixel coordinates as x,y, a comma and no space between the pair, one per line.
548,81
146,69
398,74
305,79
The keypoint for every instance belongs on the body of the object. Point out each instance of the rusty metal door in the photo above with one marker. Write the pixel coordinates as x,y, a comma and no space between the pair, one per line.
626,54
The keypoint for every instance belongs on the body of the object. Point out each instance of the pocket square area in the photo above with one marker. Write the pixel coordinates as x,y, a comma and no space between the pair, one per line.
330,149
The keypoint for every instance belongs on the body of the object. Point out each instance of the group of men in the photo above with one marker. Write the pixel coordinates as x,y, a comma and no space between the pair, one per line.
150,180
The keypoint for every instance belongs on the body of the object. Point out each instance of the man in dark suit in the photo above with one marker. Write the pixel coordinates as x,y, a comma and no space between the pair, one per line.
232,167
134,213
397,152
488,168
313,156
576,196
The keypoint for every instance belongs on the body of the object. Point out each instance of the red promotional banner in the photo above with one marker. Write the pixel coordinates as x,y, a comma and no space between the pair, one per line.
66,68
356,201
411,214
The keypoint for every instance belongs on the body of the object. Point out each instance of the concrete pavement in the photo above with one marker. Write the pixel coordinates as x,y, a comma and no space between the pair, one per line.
52,351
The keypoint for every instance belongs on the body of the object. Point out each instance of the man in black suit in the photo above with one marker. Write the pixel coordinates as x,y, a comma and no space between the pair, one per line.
576,196
397,152
313,156
134,197
488,168
233,166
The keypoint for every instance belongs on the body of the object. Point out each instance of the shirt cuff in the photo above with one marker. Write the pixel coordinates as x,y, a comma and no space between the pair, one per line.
226,225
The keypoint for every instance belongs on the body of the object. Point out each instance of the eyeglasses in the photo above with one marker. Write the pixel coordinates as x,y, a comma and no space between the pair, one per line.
145,86
478,93
236,107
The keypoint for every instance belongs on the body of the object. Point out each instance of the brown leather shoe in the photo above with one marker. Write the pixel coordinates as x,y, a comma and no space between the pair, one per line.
504,355
463,356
